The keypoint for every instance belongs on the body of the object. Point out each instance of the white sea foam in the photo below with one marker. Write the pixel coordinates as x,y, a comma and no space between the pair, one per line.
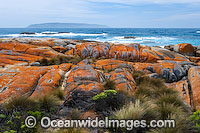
198,31
143,40
53,34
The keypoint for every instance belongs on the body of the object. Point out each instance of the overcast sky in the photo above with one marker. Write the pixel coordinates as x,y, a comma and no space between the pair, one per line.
114,13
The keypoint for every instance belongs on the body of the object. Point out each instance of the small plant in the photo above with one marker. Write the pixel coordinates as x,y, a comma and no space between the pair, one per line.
54,61
195,117
11,131
109,85
108,101
36,114
44,62
104,94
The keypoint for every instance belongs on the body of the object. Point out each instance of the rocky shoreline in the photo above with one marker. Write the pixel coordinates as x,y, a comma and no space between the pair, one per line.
90,64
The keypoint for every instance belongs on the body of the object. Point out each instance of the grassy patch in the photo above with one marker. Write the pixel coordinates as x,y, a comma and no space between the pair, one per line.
109,85
59,60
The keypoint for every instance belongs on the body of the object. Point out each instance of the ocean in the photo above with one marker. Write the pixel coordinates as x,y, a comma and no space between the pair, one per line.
144,36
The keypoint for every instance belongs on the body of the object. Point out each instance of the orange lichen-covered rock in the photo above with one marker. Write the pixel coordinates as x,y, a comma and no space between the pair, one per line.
125,52
23,83
183,88
92,50
48,42
171,71
81,84
152,54
59,49
110,64
184,48
7,46
10,57
131,52
47,83
142,66
70,52
124,81
194,59
194,80
5,78
83,72
14,46
65,66
90,114
42,51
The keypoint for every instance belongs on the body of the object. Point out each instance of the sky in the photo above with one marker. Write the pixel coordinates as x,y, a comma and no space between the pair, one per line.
113,13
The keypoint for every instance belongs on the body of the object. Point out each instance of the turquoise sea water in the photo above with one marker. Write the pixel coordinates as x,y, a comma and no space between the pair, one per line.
144,36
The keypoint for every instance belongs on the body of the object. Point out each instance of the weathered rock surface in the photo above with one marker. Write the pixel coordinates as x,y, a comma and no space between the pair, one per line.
194,81
171,71
132,52
81,84
184,48
30,81
123,80
21,74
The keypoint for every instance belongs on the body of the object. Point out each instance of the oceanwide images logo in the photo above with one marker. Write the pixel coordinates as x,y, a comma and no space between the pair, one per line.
46,122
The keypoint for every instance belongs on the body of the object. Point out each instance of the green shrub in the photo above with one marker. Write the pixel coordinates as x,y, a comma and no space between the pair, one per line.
195,117
36,114
11,131
108,101
104,94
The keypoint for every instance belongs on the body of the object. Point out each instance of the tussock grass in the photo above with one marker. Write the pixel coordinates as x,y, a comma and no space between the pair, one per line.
59,60
72,130
75,114
109,85
137,74
154,100
183,125
58,93
48,102
136,111
21,103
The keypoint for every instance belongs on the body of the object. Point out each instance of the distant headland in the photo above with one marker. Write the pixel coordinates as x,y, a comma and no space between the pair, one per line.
66,25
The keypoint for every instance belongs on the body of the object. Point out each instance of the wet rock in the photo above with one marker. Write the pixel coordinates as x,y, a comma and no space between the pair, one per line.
130,37
28,33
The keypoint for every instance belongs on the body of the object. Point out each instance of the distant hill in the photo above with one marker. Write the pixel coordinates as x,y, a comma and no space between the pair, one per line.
66,25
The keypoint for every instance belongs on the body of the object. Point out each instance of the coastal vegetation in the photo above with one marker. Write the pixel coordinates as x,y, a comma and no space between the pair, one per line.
98,80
